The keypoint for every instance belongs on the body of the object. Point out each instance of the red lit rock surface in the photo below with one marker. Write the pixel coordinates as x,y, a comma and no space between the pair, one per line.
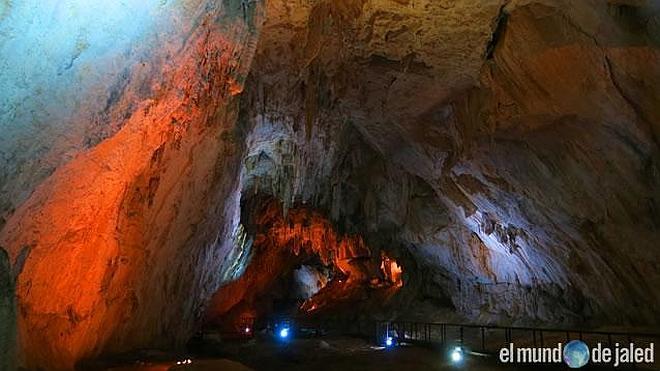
283,242
122,241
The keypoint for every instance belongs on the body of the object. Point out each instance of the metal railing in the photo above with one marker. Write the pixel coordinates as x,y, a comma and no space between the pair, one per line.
485,339
489,339
322,326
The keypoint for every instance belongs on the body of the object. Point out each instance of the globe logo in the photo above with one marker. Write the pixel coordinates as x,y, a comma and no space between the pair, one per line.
576,354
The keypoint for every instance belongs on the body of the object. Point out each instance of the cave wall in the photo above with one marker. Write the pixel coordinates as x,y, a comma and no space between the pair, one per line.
121,255
70,78
561,173
7,314
520,138
309,280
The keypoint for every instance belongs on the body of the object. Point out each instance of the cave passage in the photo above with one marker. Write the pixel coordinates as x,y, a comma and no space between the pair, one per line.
300,266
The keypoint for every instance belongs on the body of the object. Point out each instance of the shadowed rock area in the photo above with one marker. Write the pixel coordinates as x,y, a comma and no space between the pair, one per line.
7,314
171,165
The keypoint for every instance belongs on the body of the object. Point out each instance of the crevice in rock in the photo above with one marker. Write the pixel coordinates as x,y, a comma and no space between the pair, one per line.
631,103
498,31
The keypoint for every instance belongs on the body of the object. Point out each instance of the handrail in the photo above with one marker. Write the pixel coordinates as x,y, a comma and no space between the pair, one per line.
564,330
437,333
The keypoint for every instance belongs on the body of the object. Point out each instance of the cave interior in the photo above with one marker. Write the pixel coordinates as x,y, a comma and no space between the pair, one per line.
170,168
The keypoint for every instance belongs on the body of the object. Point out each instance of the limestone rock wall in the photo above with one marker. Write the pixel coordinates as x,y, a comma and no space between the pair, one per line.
510,146
70,77
7,314
557,174
126,237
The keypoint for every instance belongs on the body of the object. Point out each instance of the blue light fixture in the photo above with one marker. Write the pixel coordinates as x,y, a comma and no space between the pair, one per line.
284,333
457,355
389,341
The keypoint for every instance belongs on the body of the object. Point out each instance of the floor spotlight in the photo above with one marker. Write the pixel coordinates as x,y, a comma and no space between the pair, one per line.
457,355
389,341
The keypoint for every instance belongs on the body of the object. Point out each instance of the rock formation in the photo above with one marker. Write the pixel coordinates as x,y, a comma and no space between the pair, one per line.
7,314
510,146
124,239
503,152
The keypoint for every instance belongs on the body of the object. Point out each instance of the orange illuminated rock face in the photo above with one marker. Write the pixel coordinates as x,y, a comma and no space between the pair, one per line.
285,241
391,270
307,232
119,253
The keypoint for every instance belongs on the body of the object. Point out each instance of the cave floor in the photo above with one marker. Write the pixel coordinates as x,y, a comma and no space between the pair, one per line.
328,353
